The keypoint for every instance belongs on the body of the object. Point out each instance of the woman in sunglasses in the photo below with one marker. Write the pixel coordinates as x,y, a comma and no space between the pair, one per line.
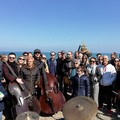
20,63
95,76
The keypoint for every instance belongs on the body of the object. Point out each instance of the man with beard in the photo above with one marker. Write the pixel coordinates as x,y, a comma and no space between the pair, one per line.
67,70
37,59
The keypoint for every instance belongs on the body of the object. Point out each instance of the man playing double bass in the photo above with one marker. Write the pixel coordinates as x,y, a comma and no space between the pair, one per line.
9,77
30,74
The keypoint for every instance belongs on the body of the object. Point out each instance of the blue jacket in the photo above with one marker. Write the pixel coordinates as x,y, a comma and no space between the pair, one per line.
52,65
81,85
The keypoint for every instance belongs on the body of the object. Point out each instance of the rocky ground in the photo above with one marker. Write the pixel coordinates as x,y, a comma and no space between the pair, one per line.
101,115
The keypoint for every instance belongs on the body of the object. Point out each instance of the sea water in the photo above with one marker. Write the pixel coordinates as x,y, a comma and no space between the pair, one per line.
48,54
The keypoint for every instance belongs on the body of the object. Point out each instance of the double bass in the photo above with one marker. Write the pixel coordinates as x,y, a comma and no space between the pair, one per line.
51,99
25,101
23,98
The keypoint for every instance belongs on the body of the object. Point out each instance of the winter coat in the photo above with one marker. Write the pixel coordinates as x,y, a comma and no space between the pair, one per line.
117,81
95,75
52,65
81,85
9,77
68,65
31,77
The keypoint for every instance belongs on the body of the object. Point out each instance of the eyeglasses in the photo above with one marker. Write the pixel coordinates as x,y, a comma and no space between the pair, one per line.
116,61
11,57
92,61
21,59
75,63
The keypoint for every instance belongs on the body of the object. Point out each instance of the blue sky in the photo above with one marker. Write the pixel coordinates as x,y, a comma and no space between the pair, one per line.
59,25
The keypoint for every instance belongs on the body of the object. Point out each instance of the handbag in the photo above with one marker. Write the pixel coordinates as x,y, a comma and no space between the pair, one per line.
66,80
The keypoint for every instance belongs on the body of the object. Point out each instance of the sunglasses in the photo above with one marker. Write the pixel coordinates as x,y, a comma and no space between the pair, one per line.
11,57
92,61
75,63
21,59
52,55
37,52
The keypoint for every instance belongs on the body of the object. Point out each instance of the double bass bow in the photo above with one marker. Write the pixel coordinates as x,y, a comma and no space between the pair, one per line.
51,99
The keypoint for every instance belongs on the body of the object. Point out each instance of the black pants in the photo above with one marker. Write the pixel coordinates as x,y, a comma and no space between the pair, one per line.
8,111
60,81
105,93
118,104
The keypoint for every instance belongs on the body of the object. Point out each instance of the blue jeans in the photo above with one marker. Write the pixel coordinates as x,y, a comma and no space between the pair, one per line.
1,115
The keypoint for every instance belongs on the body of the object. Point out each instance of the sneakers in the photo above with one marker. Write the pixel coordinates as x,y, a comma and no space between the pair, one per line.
109,112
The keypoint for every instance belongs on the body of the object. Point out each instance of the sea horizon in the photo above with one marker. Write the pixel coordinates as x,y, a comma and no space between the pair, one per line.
48,54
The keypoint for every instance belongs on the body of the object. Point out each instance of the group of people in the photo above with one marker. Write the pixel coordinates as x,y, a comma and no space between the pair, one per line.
77,74
25,71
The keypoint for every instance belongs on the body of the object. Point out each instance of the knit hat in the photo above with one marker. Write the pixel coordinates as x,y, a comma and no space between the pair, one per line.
37,51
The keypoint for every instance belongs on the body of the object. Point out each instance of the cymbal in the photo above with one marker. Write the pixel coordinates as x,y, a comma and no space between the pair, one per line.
29,115
80,108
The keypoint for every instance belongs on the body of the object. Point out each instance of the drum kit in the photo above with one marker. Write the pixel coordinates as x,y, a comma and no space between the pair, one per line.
77,108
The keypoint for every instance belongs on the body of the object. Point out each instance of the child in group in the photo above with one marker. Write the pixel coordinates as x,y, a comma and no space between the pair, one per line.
80,83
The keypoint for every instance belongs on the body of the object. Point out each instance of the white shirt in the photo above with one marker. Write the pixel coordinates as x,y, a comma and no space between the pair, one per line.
108,75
